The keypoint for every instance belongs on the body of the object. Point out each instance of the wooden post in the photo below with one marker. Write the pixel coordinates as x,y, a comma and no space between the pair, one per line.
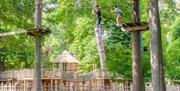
83,85
138,83
2,65
56,87
90,86
69,86
158,80
60,85
67,64
38,52
51,84
95,83
75,86
24,85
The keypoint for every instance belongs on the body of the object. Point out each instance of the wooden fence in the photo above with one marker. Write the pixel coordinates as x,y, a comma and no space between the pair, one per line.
55,73
29,73
18,74
48,87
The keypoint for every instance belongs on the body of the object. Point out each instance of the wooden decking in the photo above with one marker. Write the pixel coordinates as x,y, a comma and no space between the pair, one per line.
129,27
38,32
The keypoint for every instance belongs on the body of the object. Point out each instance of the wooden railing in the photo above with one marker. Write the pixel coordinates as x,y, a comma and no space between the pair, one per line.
18,74
29,73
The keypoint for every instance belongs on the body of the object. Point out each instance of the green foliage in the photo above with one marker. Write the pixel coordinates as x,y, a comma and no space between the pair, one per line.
16,12
146,67
176,30
18,49
118,53
18,52
173,53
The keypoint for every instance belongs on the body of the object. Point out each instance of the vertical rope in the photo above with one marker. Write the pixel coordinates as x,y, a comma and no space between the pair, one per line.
93,4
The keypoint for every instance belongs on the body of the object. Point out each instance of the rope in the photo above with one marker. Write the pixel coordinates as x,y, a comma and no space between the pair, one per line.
93,4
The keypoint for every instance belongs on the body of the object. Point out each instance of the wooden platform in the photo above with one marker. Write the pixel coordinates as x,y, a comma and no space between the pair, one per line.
129,27
38,32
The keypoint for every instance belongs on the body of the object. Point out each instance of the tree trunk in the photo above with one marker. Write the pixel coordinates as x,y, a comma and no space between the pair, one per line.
38,52
158,81
101,50
100,44
99,40
102,55
138,81
2,66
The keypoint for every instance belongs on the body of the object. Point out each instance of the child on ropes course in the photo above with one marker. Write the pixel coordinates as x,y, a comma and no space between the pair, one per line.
97,12
119,15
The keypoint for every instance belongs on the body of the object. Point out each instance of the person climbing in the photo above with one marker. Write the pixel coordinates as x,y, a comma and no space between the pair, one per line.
97,12
119,16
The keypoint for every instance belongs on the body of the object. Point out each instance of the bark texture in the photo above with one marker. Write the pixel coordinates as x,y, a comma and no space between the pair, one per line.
100,44
158,81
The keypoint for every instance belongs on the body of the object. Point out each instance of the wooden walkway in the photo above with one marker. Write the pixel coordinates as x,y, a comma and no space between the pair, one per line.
142,26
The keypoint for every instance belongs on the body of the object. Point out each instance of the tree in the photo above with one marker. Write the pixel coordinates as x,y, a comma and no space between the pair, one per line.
158,80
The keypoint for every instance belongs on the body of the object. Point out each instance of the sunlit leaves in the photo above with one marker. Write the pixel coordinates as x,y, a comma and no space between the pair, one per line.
173,53
16,12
